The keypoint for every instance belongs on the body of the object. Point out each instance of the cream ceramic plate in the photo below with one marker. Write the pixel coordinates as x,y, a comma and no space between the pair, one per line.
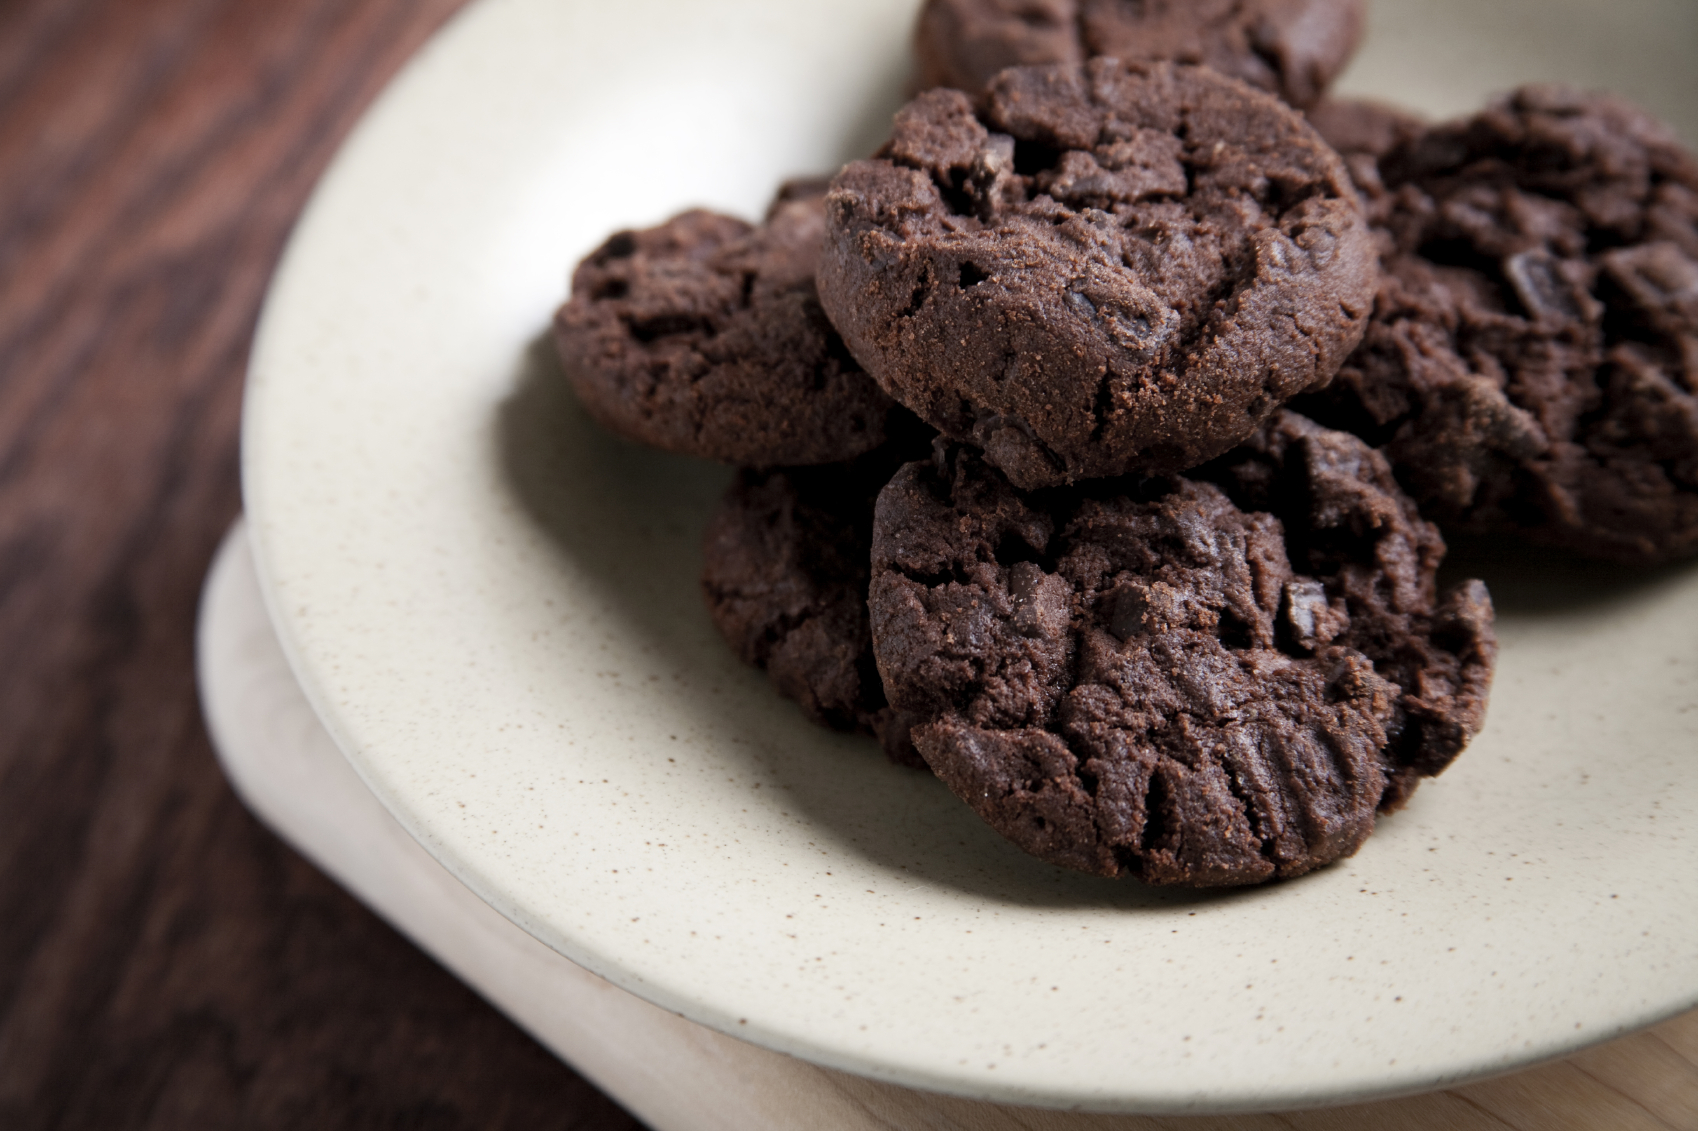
493,606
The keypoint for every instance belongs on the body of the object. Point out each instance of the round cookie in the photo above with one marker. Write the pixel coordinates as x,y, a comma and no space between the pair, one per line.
786,563
1107,268
1142,677
704,336
1532,363
1290,48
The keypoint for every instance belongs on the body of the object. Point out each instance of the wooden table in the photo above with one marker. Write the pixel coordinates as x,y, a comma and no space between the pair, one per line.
164,961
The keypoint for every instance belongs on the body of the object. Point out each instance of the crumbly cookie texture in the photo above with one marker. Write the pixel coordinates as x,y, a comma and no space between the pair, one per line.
1142,676
1104,268
1290,48
786,564
1532,363
1362,132
1350,528
705,336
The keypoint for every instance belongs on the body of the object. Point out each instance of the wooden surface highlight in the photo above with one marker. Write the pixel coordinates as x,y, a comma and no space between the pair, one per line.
164,961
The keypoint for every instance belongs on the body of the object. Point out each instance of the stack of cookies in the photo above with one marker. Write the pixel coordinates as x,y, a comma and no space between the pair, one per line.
1094,431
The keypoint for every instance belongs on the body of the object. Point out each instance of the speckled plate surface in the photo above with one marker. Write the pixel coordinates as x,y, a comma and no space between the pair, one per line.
494,609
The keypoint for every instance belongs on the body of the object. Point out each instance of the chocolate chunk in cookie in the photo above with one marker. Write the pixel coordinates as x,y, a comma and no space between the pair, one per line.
786,563
1290,48
1532,363
1144,677
1106,268
705,336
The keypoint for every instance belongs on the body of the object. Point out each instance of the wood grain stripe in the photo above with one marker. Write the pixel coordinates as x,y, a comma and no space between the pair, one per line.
163,960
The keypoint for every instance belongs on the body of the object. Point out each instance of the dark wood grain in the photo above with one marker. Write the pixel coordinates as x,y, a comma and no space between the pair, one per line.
165,961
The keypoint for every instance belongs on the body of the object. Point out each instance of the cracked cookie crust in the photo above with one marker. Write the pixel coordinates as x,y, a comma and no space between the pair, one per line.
1360,540
704,336
1143,677
1105,268
1290,48
1532,363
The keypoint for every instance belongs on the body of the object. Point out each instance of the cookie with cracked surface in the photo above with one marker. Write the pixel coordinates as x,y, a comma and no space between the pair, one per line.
1532,363
1371,564
704,336
1141,677
1362,132
786,563
1106,268
1290,48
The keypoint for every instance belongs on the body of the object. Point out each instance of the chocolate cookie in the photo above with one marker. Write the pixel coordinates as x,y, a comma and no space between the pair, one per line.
705,336
1144,677
1363,132
1532,363
786,563
1106,268
1291,48
1354,125
1351,528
